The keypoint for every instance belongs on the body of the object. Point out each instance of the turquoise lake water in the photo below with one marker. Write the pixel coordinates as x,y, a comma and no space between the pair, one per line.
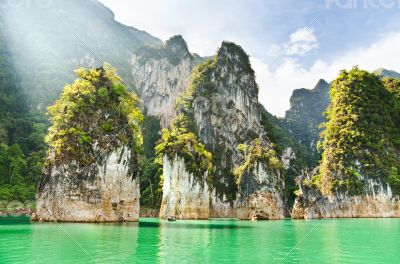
214,241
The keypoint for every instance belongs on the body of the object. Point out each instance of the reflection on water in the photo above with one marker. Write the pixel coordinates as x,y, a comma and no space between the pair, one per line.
187,224
223,241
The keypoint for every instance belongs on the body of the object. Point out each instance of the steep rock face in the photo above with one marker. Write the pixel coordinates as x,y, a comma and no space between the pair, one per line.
187,198
104,191
234,118
184,196
227,110
263,196
221,104
161,75
377,200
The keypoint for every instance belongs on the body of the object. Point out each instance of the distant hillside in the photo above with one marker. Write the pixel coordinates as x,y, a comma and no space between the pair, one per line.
387,73
48,42
306,113
21,136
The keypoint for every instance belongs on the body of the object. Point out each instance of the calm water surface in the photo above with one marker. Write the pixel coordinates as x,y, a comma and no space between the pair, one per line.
214,241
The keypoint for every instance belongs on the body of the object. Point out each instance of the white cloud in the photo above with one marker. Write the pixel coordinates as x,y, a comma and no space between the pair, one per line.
302,41
204,24
303,35
227,21
274,50
276,85
300,49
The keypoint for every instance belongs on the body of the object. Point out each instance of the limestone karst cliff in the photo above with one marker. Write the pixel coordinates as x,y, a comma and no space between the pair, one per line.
358,175
161,74
91,170
104,191
240,161
220,109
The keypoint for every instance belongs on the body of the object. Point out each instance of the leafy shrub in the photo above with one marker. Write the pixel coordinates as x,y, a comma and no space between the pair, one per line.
258,152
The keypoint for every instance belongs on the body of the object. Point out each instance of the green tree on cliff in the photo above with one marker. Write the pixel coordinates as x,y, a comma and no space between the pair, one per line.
179,140
95,112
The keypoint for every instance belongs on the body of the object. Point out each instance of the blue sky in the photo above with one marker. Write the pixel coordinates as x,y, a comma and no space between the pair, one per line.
292,43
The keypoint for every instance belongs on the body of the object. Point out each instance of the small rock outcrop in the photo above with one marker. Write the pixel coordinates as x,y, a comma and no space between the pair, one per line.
91,168
376,200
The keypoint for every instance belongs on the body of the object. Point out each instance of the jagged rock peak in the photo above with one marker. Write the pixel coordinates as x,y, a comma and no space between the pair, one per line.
174,50
358,175
230,52
305,115
177,44
322,85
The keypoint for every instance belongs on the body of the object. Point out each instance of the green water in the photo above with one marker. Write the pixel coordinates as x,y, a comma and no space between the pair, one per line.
214,241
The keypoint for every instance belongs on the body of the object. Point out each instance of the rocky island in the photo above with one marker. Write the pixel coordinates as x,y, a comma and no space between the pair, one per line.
91,169
217,160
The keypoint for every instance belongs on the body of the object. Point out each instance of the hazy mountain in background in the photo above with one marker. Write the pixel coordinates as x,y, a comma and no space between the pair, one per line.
387,73
49,41
306,113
